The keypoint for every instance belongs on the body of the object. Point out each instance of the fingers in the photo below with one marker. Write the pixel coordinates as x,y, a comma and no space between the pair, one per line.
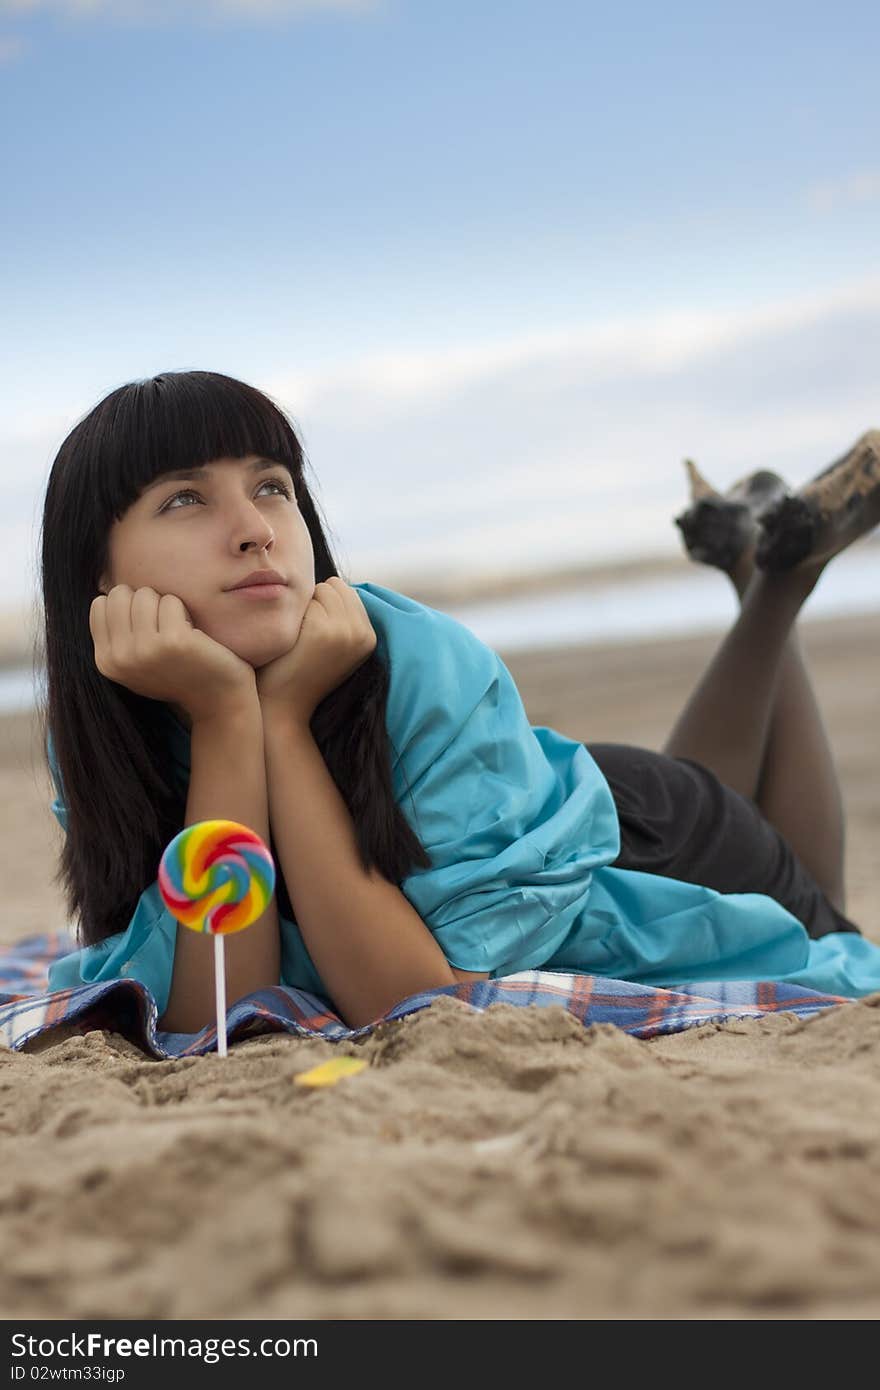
145,640
335,594
98,626
137,611
172,614
110,625
328,595
144,611
329,591
118,618
341,600
350,600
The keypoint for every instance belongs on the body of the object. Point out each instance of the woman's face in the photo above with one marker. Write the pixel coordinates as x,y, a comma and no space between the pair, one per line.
197,537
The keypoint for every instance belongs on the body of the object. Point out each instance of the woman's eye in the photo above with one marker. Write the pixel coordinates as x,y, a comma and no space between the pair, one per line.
189,492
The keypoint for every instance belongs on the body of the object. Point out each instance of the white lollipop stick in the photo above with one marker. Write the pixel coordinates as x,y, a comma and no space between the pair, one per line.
220,993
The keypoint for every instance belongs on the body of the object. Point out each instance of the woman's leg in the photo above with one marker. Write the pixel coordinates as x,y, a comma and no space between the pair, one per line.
798,790
753,718
754,721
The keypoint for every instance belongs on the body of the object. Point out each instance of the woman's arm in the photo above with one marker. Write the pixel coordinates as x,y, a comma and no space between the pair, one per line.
369,945
227,782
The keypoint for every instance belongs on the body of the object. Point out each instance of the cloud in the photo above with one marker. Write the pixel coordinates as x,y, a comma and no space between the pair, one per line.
854,188
562,444
622,349
550,447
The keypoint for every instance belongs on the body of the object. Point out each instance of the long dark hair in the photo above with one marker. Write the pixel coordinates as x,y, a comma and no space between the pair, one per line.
111,745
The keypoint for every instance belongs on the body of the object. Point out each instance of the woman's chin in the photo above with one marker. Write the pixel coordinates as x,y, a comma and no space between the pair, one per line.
260,654
259,648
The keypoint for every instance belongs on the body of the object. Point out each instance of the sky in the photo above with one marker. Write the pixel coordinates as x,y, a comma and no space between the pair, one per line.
504,265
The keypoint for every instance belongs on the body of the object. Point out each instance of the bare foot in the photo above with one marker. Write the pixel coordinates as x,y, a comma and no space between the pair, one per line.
722,529
831,511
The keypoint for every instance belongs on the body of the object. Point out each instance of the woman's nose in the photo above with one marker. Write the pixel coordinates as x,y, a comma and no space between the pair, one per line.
253,528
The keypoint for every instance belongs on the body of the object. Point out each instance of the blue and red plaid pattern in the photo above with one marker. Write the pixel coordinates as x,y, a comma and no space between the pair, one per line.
128,1007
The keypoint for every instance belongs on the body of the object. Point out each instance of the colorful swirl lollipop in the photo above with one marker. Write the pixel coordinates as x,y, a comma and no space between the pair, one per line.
217,876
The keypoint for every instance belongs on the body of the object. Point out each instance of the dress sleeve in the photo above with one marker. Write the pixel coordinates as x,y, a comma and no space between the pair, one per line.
144,951
514,819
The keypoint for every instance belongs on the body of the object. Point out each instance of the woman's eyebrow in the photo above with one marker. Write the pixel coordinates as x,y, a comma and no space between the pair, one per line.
202,471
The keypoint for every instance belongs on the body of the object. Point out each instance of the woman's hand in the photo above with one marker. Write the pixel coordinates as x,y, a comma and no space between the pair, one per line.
147,642
335,638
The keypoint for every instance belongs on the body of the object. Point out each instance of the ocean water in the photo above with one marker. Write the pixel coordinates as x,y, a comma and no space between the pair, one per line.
698,600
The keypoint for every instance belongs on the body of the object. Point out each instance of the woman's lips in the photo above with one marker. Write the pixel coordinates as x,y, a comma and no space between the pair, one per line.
261,591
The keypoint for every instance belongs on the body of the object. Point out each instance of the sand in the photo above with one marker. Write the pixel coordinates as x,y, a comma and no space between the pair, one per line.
503,1165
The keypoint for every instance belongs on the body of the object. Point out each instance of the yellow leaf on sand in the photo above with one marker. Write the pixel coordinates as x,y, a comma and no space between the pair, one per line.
328,1073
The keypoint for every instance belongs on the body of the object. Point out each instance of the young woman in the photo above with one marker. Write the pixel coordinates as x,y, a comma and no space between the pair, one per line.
423,831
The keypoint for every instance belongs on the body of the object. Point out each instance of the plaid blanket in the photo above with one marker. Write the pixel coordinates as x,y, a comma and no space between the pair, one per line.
128,1007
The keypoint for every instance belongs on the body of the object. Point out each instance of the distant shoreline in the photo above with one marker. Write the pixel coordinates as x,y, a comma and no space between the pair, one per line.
495,584
475,587
17,625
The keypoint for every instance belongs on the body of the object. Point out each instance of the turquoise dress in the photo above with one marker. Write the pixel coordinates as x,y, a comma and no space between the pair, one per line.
522,832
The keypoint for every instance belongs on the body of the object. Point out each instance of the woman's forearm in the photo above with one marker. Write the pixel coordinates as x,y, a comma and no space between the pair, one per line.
368,943
227,782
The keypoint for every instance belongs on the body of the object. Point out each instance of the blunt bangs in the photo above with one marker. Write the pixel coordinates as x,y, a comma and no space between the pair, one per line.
179,420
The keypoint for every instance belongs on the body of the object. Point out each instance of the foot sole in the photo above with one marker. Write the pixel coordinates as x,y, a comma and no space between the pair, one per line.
837,506
717,528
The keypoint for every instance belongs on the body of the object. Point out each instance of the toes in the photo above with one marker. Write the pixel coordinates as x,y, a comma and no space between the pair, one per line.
700,486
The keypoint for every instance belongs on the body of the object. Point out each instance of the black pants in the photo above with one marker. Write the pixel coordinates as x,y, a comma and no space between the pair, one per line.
677,819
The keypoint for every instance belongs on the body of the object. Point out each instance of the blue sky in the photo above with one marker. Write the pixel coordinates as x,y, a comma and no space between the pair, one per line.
524,254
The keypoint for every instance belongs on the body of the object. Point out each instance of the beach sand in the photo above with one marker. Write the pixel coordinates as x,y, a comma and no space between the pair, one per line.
510,1164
